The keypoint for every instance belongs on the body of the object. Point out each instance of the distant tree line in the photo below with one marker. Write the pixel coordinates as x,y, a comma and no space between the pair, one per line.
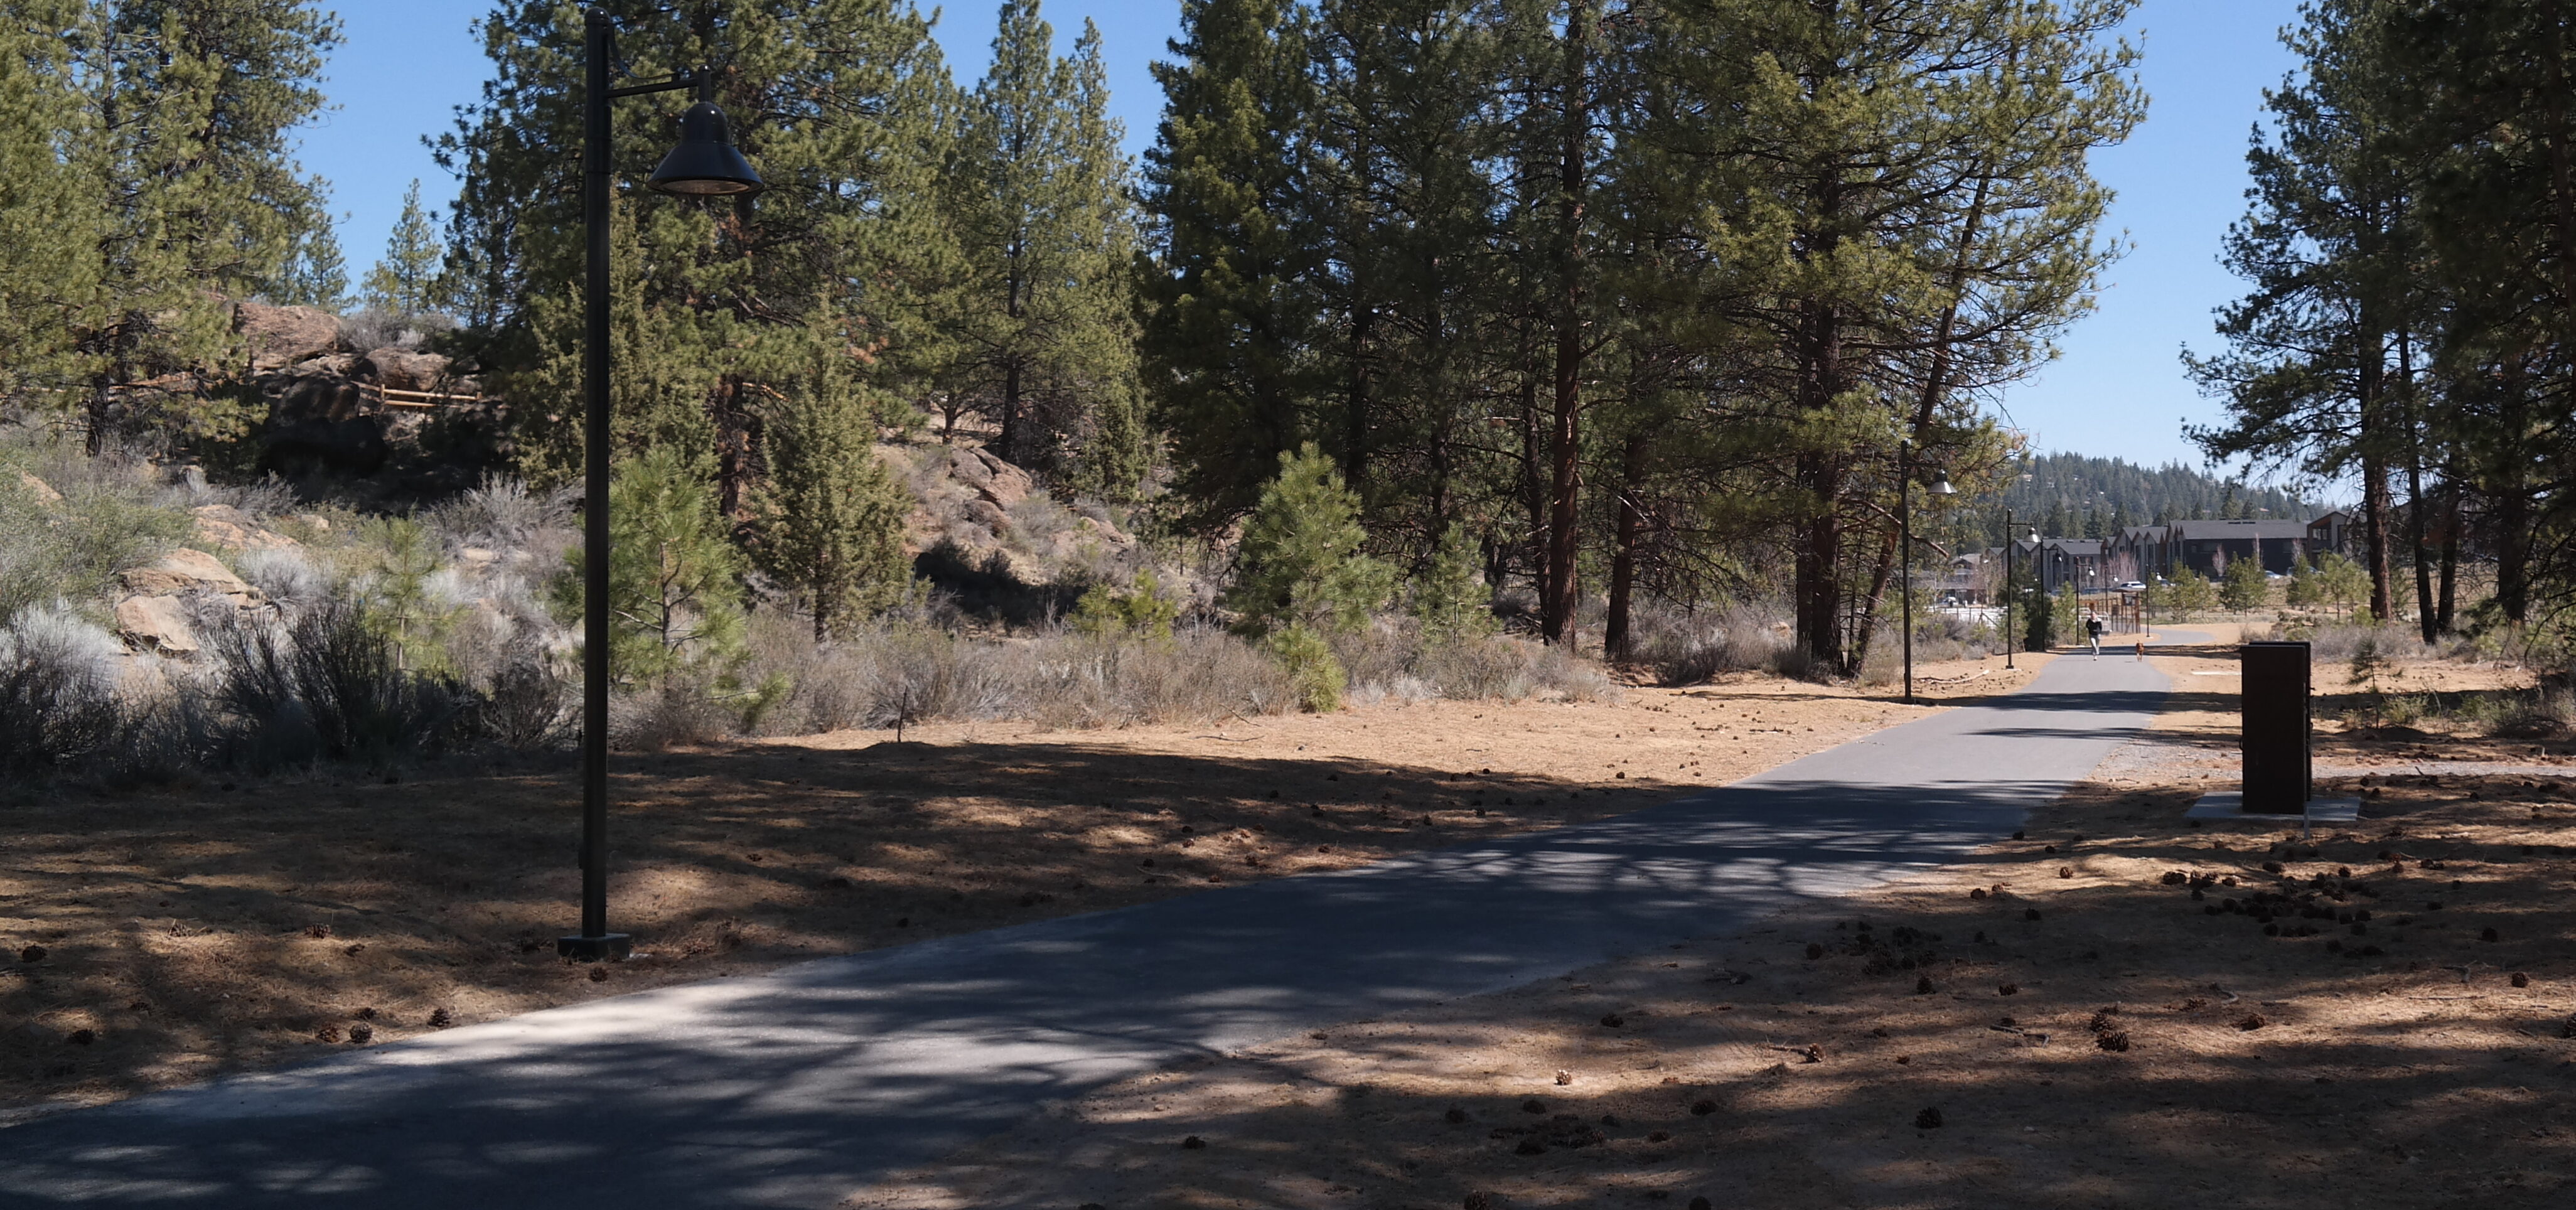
1610,301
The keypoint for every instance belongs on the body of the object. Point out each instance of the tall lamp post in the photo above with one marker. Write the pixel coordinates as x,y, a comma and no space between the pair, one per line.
704,164
2009,538
1905,543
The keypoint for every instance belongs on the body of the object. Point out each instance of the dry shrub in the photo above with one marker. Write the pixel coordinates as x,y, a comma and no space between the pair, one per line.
57,696
1688,647
672,717
1197,675
1511,670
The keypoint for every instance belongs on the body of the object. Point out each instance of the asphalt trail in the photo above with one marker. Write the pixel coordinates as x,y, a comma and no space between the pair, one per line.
793,1088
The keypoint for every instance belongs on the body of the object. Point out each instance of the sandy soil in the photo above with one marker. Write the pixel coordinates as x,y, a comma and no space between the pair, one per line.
2121,1010
153,939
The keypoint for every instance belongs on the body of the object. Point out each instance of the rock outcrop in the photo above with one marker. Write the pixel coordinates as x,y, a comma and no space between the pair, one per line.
282,336
160,600
222,525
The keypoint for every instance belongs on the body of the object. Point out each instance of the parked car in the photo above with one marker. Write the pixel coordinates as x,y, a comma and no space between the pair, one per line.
2131,586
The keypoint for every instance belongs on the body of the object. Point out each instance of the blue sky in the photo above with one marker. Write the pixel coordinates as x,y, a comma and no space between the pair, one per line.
2117,391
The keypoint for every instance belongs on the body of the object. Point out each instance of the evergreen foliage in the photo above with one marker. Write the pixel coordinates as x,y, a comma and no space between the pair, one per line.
314,275
1141,609
1300,564
1046,237
2243,588
1450,596
185,113
674,601
833,527
405,282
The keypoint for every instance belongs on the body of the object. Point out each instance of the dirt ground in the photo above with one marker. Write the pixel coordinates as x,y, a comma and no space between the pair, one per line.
2121,1009
152,939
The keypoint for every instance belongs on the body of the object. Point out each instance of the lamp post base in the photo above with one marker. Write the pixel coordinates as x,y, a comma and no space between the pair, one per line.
607,947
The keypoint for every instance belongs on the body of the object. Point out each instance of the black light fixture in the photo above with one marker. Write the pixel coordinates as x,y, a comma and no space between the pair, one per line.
705,164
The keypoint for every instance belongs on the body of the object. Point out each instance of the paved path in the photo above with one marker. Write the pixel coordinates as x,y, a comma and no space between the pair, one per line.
792,1088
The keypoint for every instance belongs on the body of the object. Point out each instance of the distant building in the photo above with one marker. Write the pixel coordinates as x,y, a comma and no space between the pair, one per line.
2205,548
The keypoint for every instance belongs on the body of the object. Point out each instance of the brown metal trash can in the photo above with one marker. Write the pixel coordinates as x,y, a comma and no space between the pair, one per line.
2275,727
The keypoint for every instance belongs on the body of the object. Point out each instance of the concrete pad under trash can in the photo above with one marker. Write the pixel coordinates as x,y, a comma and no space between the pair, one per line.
2231,805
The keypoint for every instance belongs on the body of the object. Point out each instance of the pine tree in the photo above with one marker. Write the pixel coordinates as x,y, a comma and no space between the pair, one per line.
188,109
48,270
2314,376
1450,597
314,274
1875,197
1042,219
674,605
405,283
1300,562
2243,588
1230,298
833,528
845,108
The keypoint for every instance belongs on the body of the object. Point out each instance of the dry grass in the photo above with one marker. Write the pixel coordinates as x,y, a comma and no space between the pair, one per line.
234,924
2397,1065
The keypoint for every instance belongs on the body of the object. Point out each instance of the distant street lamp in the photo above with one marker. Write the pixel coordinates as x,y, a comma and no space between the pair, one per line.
2009,538
704,164
1905,544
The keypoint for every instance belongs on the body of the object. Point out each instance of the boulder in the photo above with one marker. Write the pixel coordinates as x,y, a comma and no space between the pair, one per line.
231,528
156,624
185,572
282,336
402,369
1008,484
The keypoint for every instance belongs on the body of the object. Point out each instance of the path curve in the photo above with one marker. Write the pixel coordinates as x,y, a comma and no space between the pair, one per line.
793,1088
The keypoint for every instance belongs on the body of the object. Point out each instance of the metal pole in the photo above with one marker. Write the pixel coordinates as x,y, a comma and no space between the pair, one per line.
2008,589
595,941
1905,553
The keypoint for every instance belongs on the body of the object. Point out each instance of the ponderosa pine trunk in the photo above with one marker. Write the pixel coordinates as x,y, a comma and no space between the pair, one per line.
1617,633
1557,617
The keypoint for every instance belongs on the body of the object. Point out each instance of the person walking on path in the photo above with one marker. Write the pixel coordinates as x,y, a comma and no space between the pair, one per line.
2093,632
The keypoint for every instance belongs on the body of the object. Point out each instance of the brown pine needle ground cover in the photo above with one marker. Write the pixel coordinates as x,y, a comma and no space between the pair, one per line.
158,938
2075,1019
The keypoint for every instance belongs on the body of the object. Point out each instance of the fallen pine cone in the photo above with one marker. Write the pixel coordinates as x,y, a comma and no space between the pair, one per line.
2030,913
1612,1021
1477,1201
1194,1143
2252,1021
440,1018
1702,1108
33,953
1976,892
2115,1041
2007,989
360,1035
1814,951
2521,980
1923,986
2065,871
1929,1119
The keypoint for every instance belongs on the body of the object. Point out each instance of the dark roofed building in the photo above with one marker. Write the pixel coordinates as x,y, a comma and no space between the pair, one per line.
2205,548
